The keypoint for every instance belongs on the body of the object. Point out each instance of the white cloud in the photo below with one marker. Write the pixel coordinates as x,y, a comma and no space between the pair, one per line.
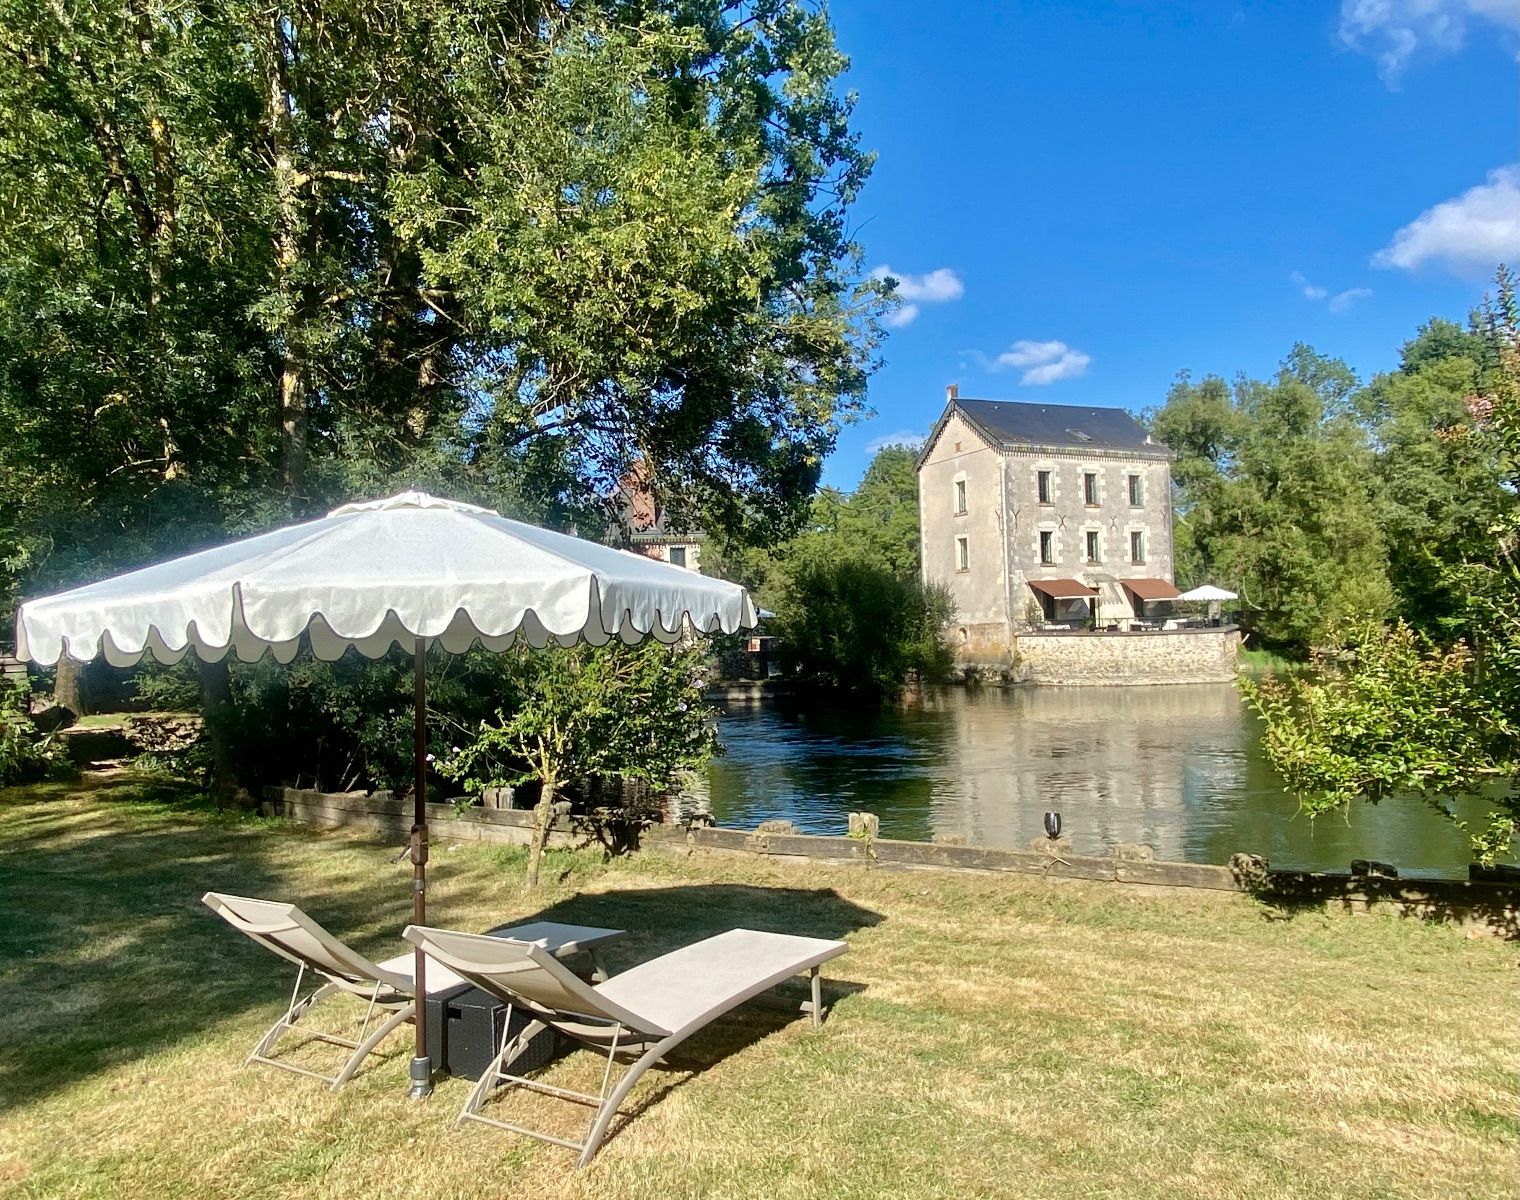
1341,301
1394,31
1469,234
1337,303
1310,291
910,438
935,287
1040,362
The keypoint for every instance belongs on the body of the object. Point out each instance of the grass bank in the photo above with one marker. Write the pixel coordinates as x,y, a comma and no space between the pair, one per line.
991,1036
1263,662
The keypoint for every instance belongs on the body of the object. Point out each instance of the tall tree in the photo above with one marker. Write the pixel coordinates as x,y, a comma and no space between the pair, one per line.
253,259
1275,486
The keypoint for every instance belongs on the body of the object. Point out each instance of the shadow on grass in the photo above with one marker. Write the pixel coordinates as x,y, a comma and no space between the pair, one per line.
107,955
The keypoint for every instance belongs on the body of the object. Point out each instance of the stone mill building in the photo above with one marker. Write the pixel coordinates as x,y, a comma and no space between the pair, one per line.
1051,523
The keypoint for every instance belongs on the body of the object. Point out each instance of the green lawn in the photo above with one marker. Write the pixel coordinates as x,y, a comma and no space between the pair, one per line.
991,1036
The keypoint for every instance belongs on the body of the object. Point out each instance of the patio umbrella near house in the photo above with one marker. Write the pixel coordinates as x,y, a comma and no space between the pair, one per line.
410,571
1214,595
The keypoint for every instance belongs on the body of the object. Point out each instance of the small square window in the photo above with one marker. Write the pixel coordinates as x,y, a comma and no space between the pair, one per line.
1136,491
1090,489
1136,546
1047,546
960,496
1092,546
678,556
962,554
1042,482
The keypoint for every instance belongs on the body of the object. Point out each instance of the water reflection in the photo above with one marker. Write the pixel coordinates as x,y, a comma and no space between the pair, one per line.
1177,768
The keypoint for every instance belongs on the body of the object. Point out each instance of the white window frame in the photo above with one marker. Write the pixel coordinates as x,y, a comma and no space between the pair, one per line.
1055,549
1094,538
962,553
960,497
1138,559
1136,485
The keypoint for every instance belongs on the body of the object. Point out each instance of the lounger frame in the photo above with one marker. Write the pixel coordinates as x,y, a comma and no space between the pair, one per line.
594,1021
287,931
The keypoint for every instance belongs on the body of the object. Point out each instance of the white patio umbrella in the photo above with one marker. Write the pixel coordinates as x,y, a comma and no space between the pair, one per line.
409,571
1208,592
1212,594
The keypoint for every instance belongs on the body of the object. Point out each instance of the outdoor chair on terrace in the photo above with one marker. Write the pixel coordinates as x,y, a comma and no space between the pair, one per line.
290,933
645,1011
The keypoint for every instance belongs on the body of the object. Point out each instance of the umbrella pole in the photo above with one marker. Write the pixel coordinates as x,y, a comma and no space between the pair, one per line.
421,1067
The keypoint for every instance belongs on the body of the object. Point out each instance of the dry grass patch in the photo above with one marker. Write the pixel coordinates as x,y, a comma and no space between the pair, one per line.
991,1036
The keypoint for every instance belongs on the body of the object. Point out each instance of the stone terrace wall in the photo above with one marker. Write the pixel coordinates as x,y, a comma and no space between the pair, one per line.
1184,656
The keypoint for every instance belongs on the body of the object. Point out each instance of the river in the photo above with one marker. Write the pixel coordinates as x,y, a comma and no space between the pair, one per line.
1180,769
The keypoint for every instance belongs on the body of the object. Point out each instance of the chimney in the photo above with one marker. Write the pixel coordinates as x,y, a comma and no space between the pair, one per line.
952,392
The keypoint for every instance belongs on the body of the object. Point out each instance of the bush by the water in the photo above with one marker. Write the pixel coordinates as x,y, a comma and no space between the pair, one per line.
852,626
26,754
348,725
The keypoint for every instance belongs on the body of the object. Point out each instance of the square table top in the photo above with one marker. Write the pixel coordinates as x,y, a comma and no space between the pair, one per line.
560,940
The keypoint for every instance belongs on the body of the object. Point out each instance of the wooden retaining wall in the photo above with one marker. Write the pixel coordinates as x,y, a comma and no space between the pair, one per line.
1481,906
388,815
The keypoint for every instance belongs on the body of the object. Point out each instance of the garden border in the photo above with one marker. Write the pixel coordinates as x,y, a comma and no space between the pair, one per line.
1479,906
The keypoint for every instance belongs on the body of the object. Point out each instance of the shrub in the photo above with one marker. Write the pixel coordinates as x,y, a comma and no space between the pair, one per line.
26,755
851,626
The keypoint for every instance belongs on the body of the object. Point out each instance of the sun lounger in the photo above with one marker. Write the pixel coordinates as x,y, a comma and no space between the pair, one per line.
647,1010
385,986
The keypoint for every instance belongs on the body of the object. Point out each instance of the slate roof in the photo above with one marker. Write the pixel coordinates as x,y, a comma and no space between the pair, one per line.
1012,422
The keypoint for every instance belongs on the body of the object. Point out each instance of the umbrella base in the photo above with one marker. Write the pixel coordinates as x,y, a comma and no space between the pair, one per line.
421,1071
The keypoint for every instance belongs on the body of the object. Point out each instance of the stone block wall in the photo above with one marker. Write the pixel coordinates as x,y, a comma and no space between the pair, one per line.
1184,656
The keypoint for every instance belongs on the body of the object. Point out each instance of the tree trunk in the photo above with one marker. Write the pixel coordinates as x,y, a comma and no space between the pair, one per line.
216,700
543,817
69,687
287,230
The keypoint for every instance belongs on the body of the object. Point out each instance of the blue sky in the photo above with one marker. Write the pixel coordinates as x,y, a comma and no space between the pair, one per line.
1084,199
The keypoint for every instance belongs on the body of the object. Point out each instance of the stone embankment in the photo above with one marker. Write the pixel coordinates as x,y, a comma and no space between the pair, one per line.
1480,904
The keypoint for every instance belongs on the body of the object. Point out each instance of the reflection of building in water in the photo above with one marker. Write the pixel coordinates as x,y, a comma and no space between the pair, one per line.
1119,764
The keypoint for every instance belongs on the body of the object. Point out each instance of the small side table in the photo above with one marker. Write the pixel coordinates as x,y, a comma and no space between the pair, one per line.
564,940
465,1026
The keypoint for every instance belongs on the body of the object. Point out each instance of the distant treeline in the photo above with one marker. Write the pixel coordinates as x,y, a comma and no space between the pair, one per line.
1323,500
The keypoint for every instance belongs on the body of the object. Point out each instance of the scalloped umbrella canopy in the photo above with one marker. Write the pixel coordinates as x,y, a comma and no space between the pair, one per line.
407,571
369,576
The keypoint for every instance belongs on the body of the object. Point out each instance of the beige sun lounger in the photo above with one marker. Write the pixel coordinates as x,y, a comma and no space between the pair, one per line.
648,1009
387,986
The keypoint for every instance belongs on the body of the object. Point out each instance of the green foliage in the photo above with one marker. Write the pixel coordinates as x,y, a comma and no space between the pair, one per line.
1408,715
348,725
1403,717
633,713
1274,485
851,613
880,520
25,755
850,626
593,712
256,260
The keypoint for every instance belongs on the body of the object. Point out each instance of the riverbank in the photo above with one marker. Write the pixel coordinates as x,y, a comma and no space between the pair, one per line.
990,1036
1179,769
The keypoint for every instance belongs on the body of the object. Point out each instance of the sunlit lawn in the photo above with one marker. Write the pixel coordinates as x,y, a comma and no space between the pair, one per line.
991,1037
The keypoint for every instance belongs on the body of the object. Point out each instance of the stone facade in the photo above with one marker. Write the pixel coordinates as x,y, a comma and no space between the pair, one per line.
1188,656
997,511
